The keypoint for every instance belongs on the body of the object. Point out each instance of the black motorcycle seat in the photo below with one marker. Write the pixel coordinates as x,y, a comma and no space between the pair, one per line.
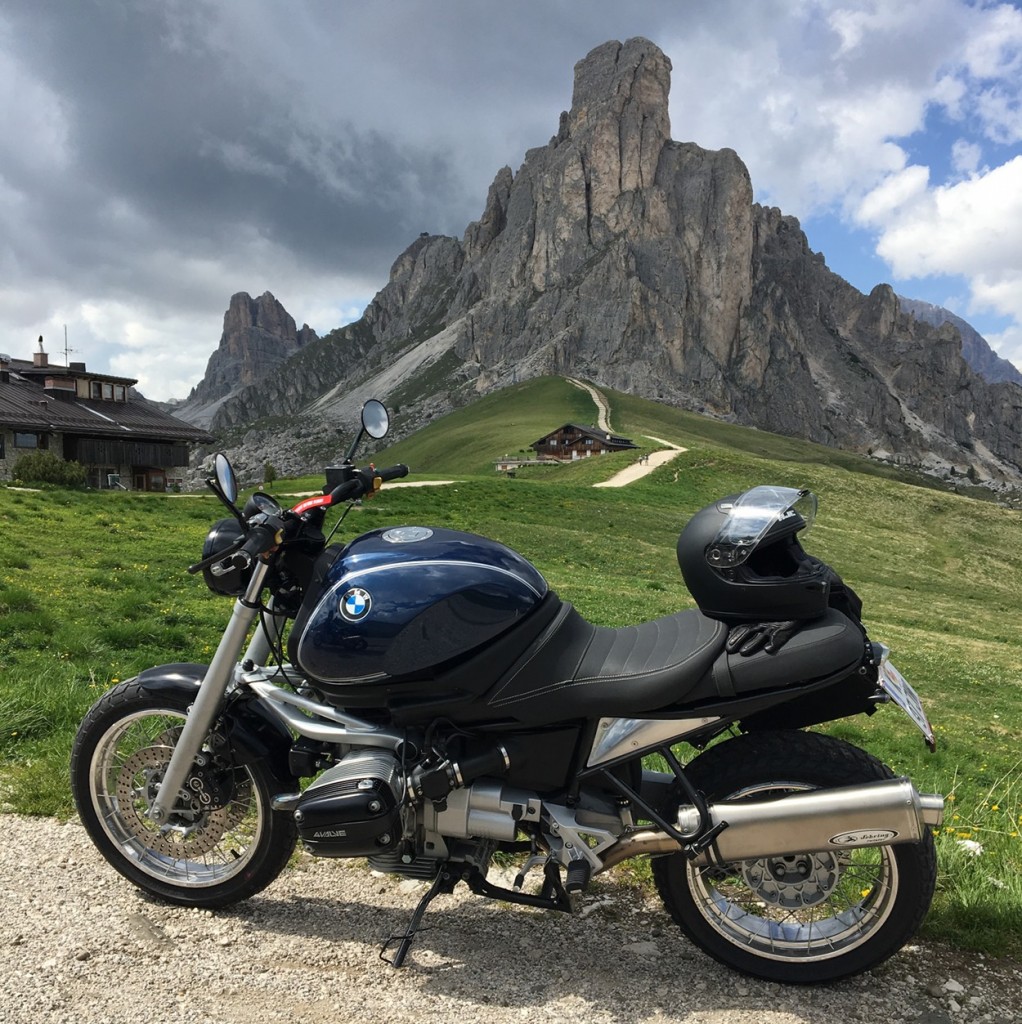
576,669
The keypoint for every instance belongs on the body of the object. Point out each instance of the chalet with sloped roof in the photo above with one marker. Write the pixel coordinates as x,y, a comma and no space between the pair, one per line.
575,442
91,418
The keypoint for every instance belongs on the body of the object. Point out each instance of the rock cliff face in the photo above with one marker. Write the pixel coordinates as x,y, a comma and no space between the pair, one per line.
975,349
642,263
259,335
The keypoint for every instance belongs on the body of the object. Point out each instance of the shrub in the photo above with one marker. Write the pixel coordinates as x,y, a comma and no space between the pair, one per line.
47,468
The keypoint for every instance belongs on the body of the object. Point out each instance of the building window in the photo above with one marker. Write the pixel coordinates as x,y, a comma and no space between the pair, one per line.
3,454
27,440
119,394
108,392
95,389
589,442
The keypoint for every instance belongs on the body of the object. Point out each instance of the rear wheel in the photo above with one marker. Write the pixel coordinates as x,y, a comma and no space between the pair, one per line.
222,843
809,918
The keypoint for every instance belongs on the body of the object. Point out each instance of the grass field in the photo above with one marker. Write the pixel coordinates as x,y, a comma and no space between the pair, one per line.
93,588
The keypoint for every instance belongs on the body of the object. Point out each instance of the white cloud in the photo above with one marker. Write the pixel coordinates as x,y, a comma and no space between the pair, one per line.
994,48
965,157
972,227
905,189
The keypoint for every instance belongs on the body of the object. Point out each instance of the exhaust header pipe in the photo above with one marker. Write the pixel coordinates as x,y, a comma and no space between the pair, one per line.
873,814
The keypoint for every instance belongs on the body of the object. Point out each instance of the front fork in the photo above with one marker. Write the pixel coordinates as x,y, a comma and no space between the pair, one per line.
209,697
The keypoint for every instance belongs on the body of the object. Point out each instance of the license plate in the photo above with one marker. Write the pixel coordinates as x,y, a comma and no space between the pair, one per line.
894,684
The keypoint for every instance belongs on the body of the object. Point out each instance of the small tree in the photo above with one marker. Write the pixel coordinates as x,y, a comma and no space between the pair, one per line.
47,468
269,474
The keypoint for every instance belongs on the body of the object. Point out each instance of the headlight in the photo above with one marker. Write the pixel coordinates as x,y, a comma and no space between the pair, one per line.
224,535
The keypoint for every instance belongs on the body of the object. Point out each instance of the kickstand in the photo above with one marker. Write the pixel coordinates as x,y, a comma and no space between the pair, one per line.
444,882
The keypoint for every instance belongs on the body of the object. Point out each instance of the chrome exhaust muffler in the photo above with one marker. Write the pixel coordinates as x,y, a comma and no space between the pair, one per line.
872,814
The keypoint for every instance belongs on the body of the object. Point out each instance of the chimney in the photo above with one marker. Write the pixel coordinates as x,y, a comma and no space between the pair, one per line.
40,358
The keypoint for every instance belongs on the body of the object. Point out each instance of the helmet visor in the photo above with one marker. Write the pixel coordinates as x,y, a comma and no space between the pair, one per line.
751,516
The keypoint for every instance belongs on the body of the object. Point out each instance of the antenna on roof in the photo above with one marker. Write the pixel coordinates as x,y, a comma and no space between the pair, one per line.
67,351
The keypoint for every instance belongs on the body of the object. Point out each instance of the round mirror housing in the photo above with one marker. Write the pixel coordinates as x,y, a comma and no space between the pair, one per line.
375,418
225,479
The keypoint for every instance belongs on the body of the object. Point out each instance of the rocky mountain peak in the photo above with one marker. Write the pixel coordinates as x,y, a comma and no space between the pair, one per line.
619,118
258,336
616,254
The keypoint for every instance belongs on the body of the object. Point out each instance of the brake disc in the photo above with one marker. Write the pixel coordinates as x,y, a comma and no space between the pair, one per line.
200,815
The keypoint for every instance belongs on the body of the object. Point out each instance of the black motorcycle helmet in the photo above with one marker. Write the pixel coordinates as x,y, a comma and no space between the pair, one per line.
224,535
742,561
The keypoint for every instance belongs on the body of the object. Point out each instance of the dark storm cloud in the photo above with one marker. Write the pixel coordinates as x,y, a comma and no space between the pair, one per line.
156,120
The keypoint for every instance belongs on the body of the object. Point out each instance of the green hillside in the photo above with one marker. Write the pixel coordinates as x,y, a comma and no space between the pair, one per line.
467,441
940,575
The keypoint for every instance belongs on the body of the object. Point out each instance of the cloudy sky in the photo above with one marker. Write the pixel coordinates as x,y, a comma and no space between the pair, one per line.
157,156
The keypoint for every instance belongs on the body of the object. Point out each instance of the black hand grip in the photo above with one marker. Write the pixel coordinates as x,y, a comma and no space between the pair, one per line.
362,482
261,539
393,472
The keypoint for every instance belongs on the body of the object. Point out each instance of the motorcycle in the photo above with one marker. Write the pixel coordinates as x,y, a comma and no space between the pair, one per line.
448,707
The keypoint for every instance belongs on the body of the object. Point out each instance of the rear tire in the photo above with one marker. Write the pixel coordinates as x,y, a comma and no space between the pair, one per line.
223,841
812,918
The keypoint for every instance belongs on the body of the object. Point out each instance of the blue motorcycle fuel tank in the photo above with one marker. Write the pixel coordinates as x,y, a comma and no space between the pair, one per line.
399,602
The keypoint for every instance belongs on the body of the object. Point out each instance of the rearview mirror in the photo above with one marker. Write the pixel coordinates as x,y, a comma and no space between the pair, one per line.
225,479
375,419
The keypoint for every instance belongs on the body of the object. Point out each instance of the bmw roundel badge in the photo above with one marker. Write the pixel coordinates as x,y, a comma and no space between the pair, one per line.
355,604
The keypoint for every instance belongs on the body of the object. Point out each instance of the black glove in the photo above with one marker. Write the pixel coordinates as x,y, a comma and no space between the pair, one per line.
768,636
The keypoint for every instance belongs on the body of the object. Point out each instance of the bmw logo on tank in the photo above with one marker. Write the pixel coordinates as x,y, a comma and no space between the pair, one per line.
355,604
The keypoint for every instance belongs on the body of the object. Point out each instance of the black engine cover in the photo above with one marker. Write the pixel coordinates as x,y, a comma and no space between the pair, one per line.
349,818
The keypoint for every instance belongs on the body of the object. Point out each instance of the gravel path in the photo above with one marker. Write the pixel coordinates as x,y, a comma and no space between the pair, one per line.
82,945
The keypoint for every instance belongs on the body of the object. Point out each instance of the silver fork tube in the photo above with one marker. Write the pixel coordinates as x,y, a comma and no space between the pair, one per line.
209,697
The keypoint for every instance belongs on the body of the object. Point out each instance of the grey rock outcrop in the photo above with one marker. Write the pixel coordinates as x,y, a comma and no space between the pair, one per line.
976,351
642,263
259,335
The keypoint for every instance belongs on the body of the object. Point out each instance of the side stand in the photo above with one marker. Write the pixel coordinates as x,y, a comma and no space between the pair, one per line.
552,897
444,882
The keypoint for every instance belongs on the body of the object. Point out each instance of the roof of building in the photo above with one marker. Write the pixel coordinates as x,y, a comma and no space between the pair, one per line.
26,405
594,432
33,371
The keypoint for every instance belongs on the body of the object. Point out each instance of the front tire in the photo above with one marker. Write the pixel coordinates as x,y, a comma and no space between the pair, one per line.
223,842
811,918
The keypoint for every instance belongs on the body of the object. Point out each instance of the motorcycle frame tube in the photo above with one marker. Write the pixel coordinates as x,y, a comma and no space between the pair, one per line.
209,697
339,727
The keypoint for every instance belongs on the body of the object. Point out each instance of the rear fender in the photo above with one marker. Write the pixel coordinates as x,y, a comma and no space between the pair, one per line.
254,733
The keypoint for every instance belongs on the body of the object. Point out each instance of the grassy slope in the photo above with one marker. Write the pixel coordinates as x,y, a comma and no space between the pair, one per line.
939,573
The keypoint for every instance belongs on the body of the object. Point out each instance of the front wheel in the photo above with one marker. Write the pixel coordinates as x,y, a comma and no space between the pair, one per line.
810,918
223,841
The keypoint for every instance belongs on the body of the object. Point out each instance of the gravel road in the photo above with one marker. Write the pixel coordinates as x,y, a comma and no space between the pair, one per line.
82,945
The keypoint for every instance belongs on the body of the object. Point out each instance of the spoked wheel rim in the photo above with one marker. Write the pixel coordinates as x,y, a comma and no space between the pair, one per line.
805,908
216,824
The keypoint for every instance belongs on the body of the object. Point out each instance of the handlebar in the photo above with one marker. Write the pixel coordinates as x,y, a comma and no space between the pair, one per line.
261,539
392,472
364,481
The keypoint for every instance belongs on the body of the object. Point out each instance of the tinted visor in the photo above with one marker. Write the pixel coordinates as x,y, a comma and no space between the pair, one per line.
750,518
